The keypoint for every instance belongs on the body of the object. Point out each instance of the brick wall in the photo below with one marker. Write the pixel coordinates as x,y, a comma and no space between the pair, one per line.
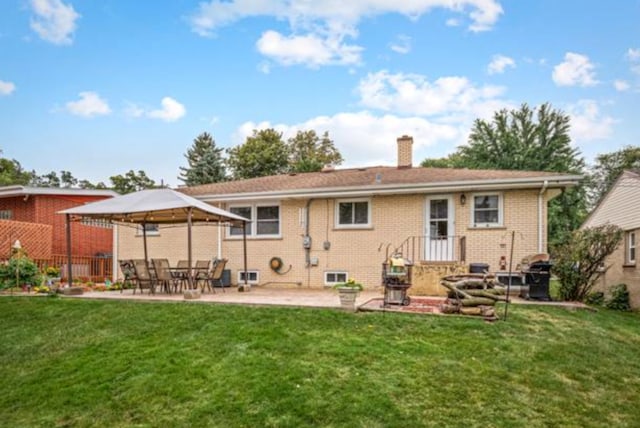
360,252
42,209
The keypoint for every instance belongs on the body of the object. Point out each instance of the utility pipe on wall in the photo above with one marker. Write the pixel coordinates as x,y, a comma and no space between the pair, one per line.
540,215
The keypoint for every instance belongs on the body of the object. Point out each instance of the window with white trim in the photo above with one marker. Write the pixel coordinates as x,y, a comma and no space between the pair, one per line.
353,213
152,229
253,277
486,210
265,220
6,214
631,248
335,277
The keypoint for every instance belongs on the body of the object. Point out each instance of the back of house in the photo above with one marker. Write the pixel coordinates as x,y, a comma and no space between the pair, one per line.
321,228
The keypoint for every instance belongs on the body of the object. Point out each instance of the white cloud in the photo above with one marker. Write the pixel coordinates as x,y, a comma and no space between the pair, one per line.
621,85
402,45
499,63
452,22
217,13
365,139
633,55
414,94
6,88
171,110
319,29
54,21
311,50
575,70
587,123
90,104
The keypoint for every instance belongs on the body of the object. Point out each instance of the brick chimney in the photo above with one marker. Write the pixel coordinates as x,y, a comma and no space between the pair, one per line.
405,152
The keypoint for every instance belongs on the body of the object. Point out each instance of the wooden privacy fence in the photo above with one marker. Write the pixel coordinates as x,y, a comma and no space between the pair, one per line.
94,269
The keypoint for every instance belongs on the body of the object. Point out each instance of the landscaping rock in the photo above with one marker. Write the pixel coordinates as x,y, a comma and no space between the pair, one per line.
192,294
72,291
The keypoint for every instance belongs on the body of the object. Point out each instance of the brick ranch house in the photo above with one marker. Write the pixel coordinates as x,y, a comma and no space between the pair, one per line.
336,224
29,214
621,207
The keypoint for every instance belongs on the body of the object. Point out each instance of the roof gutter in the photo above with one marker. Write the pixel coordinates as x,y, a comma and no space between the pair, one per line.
356,191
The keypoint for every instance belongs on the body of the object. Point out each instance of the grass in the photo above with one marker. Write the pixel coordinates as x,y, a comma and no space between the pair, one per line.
69,362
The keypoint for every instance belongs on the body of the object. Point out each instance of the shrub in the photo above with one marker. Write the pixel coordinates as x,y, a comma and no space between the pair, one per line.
618,298
595,298
19,271
579,262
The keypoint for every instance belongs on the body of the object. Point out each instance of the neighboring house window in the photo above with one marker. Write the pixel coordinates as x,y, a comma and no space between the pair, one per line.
265,220
631,248
353,213
6,214
333,278
97,222
253,277
152,229
487,210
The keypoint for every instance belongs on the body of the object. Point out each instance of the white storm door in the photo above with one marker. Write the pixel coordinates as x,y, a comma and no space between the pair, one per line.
439,234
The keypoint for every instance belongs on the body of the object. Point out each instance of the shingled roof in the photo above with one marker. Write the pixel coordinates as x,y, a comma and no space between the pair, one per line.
378,179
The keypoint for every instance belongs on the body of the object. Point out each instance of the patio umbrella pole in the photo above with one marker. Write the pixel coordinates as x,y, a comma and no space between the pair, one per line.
506,304
69,280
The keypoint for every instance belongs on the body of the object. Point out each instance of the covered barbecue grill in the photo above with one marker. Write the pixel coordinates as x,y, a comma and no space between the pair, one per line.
396,278
537,272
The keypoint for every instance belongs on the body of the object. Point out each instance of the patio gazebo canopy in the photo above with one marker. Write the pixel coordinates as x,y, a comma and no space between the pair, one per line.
161,206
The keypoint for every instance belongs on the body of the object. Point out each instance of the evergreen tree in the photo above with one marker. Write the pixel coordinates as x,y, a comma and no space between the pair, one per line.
206,164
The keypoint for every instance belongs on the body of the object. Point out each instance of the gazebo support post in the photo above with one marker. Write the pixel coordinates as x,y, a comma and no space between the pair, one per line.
69,267
189,251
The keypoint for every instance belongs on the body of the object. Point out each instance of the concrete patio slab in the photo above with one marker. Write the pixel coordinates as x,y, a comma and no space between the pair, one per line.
300,297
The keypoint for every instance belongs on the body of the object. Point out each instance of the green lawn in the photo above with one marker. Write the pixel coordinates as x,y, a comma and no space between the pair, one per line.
88,363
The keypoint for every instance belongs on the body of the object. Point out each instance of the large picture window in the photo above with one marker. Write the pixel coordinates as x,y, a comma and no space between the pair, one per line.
487,210
353,213
265,220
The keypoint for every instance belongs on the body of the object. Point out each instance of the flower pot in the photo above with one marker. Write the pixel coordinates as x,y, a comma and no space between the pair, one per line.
348,298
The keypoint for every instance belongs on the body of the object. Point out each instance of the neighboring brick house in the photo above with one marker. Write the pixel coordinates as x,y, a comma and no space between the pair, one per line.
29,214
621,207
336,224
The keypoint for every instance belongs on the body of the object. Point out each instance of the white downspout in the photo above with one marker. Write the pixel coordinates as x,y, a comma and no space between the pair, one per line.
540,214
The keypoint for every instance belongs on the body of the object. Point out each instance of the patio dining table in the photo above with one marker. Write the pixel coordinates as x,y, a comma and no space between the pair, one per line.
182,273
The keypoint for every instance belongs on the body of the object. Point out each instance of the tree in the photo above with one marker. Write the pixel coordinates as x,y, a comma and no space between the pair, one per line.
131,182
579,261
263,153
67,179
206,164
608,168
50,179
517,140
309,152
11,172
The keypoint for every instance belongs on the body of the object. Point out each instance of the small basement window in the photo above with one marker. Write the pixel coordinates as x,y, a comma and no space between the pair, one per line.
253,277
6,214
335,277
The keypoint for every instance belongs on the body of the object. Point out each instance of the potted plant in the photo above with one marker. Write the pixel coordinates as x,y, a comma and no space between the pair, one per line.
348,291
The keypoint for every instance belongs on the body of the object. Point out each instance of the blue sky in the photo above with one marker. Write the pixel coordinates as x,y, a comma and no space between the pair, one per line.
99,88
